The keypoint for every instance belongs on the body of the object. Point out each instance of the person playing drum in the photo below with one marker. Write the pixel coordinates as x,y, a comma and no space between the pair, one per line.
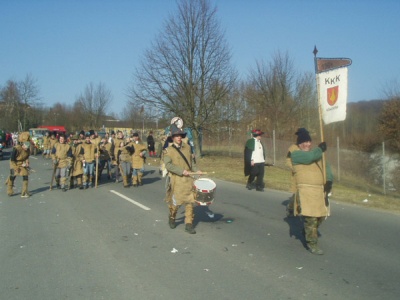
179,163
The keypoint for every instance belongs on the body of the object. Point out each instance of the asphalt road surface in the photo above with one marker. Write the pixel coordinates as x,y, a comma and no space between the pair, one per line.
112,242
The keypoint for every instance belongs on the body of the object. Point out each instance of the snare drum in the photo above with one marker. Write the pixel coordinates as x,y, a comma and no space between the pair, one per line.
204,189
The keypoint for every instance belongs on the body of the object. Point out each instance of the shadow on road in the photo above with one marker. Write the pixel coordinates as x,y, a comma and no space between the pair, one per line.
296,226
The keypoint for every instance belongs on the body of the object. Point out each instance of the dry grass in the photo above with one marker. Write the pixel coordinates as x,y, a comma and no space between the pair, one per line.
349,190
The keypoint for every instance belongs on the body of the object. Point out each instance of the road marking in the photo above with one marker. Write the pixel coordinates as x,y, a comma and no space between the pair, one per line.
130,200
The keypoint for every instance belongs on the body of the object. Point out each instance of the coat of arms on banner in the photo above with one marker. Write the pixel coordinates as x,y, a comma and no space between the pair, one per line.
333,95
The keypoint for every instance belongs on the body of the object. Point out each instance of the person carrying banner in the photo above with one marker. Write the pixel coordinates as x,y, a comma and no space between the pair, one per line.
311,196
19,166
179,162
254,161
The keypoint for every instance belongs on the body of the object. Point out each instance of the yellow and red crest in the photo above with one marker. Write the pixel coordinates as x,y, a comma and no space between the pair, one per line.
333,95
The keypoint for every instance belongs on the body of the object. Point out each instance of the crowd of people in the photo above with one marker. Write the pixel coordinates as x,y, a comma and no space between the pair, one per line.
79,161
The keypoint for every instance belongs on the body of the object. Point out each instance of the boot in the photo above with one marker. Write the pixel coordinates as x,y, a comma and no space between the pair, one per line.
140,175
135,181
250,186
189,228
25,193
10,185
79,182
90,181
314,249
171,217
125,181
63,186
71,183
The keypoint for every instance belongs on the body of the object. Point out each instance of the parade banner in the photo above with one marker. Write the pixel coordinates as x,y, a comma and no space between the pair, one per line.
327,64
333,94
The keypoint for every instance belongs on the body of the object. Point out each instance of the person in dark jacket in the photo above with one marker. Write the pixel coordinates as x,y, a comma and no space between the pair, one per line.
254,161
150,145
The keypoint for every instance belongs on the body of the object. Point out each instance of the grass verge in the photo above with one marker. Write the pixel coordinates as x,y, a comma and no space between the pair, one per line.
348,190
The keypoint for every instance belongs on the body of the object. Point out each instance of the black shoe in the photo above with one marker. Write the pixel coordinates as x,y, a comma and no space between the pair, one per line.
189,229
171,223
250,186
260,189
289,212
81,187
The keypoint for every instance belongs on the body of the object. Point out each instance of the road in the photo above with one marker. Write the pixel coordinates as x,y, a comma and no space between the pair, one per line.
112,242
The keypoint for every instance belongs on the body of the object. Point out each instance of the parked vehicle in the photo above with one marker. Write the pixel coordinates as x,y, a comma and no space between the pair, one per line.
37,139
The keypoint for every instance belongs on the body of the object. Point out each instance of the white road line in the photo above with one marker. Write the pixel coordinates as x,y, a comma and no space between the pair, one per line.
130,200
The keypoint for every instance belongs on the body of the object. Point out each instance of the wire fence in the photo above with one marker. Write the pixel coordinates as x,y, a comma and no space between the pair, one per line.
378,171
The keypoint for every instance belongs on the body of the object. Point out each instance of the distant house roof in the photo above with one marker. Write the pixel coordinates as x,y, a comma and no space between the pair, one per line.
54,128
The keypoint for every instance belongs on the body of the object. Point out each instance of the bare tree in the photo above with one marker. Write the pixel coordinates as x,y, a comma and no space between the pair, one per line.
29,97
281,98
19,100
94,102
187,69
10,111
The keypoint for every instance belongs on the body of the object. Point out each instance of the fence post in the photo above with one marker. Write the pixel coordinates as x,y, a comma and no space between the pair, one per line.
274,146
338,157
383,168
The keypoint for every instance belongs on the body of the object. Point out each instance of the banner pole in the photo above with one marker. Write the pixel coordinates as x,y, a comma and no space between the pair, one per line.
321,126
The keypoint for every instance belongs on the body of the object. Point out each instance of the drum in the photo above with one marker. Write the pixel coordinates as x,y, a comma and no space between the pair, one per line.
204,189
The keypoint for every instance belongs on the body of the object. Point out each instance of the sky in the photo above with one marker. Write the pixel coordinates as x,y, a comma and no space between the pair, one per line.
67,44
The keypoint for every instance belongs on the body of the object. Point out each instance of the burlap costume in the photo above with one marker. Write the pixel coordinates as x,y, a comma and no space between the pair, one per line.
18,163
309,179
293,185
138,162
89,157
62,154
180,189
77,165
124,155
106,153
310,199
46,146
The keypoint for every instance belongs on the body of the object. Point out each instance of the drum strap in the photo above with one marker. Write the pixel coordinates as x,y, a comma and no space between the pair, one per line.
183,156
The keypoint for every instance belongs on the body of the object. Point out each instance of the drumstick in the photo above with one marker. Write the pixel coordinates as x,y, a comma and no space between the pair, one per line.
200,173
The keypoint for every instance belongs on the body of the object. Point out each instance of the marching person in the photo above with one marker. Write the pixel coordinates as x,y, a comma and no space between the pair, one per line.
117,144
19,166
106,152
254,161
138,160
53,141
77,163
180,163
124,160
311,197
62,158
46,145
150,144
89,157
82,137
